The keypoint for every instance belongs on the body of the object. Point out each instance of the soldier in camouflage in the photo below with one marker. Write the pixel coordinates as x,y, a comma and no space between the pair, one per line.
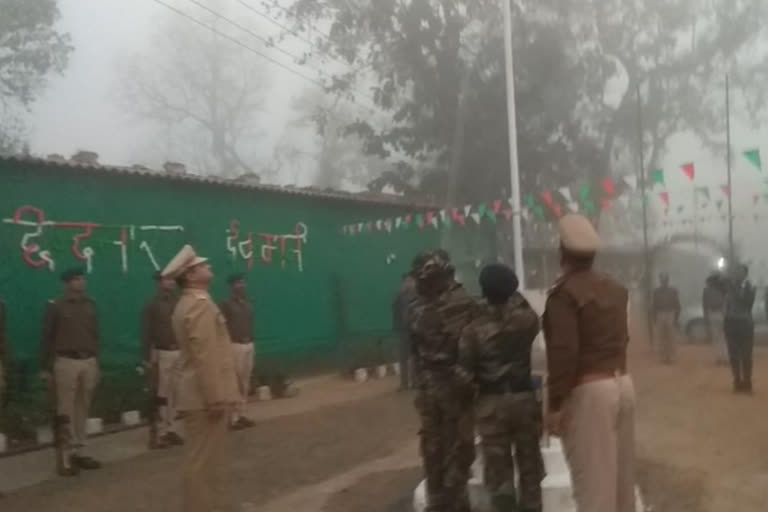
495,358
441,313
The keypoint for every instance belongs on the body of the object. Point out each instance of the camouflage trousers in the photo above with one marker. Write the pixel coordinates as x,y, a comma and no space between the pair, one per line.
447,449
507,421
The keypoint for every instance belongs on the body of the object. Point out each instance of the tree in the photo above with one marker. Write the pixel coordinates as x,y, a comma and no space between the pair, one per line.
31,49
203,90
337,156
438,70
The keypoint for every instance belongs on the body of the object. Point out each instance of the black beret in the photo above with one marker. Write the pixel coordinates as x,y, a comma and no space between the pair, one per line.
498,281
72,273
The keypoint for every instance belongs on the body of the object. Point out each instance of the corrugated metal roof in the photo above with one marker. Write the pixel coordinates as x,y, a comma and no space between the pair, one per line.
368,198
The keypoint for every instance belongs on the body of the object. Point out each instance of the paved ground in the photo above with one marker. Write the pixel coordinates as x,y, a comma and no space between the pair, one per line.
345,447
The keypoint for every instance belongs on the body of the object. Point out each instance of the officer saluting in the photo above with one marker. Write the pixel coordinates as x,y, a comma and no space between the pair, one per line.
205,385
238,312
591,395
161,350
70,346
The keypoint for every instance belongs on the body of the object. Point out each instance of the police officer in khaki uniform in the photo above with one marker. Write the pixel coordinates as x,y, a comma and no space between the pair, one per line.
161,351
238,312
70,347
205,385
592,399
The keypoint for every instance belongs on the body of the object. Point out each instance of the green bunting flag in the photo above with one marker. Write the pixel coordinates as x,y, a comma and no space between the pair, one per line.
753,156
657,177
584,193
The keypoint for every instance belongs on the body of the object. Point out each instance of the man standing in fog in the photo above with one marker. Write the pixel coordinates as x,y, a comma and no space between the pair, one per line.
406,295
592,397
740,328
666,315
206,384
713,304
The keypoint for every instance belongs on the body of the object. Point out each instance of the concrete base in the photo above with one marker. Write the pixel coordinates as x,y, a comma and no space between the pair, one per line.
264,393
557,494
381,371
396,369
361,375
44,435
94,426
131,418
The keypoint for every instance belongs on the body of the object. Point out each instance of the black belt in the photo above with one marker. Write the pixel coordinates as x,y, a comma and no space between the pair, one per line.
75,354
172,348
243,342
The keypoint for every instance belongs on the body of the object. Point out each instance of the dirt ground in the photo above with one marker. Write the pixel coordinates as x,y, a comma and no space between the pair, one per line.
700,448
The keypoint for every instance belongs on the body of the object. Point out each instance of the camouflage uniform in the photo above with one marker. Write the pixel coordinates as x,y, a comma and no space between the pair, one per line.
495,356
443,402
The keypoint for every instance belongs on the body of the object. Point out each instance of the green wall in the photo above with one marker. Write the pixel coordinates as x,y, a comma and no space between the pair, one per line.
339,302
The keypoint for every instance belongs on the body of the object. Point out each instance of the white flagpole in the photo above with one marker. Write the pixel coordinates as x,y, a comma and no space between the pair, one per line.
514,169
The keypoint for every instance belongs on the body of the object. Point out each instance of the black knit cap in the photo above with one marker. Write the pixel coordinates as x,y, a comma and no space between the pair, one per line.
498,283
72,273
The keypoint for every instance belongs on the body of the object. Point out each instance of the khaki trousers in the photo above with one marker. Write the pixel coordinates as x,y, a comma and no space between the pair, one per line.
166,366
666,334
717,334
599,444
205,444
76,380
243,355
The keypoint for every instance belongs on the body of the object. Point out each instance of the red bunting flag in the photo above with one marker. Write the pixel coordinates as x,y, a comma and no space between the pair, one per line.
690,170
557,210
547,197
458,218
609,187
726,190
430,217
665,197
497,206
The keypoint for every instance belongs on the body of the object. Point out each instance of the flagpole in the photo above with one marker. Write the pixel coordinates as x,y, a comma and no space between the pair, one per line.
648,281
514,170
731,250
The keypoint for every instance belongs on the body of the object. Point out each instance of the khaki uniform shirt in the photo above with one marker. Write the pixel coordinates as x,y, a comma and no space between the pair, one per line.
586,330
157,329
205,370
239,315
70,328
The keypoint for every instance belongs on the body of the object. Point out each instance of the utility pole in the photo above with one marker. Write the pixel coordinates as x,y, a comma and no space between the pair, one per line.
648,280
514,166
731,250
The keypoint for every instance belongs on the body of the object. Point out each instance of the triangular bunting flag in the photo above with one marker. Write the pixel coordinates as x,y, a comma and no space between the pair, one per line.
497,206
539,211
379,224
430,217
467,209
481,210
689,170
753,155
566,193
665,198
529,200
573,206
631,181
398,222
590,207
609,187
360,227
388,225
584,193
557,211
476,217
443,215
546,196
419,220
526,214
657,177
726,189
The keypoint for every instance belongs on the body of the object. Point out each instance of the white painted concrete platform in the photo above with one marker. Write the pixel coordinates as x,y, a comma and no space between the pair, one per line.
557,495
